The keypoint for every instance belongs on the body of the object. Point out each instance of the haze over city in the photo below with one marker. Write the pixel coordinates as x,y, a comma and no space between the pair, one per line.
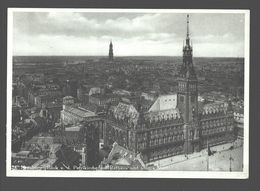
133,34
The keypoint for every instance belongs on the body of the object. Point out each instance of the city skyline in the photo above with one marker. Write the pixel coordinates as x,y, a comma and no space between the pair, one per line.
133,34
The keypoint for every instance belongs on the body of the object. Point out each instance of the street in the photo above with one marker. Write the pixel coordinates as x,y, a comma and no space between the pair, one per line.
220,161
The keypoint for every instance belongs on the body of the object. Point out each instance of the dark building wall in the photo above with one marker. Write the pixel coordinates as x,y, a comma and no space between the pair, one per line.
75,137
92,145
16,115
116,134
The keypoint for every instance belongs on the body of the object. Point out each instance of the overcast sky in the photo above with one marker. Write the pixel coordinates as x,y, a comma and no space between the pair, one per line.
88,34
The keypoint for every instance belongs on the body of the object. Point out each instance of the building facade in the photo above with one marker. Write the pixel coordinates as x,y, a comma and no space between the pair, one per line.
239,123
92,144
74,114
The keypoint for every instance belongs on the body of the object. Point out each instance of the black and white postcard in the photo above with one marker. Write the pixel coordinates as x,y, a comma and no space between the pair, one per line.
146,93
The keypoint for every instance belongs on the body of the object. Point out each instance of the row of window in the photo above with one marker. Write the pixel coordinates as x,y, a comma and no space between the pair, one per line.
217,122
169,100
183,85
212,131
166,134
172,150
193,98
165,140
166,130
214,139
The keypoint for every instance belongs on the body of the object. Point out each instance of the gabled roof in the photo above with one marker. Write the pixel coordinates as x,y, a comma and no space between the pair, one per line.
80,111
123,110
164,102
120,156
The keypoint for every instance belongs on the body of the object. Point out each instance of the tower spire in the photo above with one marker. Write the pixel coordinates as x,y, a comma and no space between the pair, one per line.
188,32
188,26
187,50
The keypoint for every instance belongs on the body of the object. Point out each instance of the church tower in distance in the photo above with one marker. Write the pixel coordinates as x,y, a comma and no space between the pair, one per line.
187,95
111,55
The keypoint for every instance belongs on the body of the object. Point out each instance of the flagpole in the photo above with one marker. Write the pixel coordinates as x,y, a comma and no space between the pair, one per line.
230,161
207,154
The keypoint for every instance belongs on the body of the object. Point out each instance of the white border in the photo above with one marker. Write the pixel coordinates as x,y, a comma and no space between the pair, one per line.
127,174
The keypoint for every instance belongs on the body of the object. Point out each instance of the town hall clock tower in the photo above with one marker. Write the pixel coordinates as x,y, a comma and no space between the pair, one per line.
187,96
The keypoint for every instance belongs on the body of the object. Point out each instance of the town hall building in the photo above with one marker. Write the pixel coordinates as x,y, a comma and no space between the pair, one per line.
173,124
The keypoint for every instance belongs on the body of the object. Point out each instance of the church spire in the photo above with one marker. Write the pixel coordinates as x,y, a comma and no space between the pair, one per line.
111,55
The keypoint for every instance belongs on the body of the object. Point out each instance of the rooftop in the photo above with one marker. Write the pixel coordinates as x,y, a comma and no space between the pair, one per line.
213,107
123,110
82,112
164,102
68,97
163,114
74,128
23,153
120,156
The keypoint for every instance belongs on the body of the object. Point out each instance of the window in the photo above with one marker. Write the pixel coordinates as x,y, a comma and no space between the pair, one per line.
181,98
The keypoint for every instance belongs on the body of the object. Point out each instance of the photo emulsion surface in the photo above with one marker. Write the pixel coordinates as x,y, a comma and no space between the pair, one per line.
128,93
